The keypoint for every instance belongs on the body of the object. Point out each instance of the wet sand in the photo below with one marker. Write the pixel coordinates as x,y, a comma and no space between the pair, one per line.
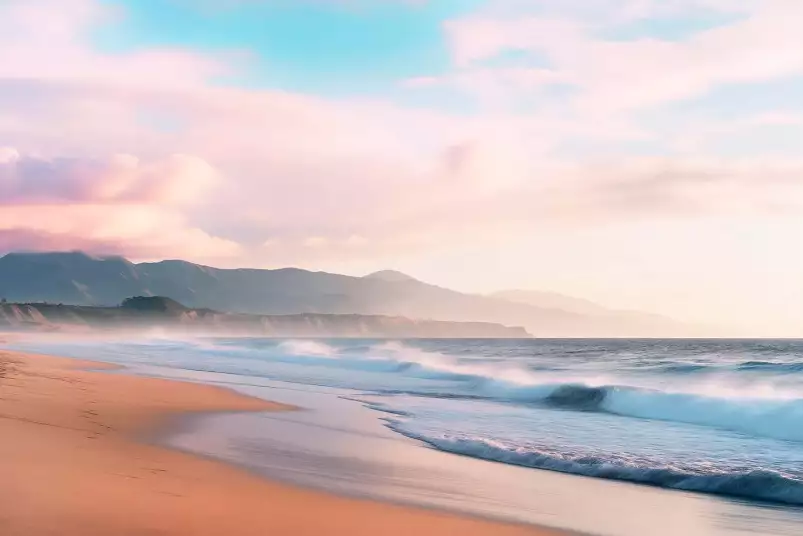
71,465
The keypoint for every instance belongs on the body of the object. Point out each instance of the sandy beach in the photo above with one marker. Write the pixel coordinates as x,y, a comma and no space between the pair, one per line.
71,464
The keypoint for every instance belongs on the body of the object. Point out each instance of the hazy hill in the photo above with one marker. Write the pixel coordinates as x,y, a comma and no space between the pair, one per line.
148,312
637,321
80,279
553,300
391,276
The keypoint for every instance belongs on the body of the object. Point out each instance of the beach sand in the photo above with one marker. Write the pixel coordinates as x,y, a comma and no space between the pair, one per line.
71,465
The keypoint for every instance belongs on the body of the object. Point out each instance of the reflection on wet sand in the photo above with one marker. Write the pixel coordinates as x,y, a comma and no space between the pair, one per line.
338,445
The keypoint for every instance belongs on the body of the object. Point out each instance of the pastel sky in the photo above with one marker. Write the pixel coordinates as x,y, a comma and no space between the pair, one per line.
645,154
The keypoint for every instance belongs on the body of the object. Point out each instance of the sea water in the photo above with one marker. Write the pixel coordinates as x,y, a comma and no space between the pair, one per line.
720,417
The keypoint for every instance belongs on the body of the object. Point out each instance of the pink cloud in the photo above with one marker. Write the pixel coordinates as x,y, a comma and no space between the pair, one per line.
113,205
176,180
361,176
613,76
140,231
46,39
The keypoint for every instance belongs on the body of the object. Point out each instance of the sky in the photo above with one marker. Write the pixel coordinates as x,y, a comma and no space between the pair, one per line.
645,154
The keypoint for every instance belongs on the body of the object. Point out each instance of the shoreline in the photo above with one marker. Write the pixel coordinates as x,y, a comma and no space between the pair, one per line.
77,454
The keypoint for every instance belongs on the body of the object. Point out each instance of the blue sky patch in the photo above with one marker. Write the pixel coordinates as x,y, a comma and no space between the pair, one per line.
317,47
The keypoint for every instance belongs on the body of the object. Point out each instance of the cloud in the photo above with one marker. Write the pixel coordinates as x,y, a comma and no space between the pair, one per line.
138,231
688,188
616,11
553,198
176,180
616,76
31,31
114,205
315,177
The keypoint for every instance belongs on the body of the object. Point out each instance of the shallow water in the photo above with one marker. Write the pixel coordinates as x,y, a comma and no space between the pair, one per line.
718,417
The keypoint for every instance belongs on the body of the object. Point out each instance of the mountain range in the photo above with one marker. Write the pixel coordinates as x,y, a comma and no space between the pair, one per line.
76,278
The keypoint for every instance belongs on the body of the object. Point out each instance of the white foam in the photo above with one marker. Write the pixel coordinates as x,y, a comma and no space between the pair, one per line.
307,348
760,410
759,484
438,365
779,418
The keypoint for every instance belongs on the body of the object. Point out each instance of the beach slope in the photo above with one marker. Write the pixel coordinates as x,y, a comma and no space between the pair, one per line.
70,465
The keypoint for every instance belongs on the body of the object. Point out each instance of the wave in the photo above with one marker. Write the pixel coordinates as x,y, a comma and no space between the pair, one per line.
771,367
759,484
763,414
778,418
306,348
715,404
435,365
391,357
684,368
681,368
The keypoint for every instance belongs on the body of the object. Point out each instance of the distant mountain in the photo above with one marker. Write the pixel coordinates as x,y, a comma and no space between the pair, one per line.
391,276
552,300
80,279
148,312
637,321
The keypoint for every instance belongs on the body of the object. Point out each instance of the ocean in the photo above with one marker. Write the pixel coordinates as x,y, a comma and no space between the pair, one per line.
716,417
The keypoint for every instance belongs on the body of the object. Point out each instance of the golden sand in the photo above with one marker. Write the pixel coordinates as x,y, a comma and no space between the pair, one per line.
70,465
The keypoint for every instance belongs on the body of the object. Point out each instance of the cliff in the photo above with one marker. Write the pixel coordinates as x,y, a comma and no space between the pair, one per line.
140,313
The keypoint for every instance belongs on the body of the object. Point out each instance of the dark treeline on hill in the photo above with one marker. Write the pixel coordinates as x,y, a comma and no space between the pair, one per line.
153,304
76,278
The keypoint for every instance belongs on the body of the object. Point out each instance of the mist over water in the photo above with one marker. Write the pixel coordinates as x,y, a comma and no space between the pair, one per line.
722,417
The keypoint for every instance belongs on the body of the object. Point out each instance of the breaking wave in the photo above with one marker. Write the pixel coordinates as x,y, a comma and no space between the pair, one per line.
778,418
761,411
766,414
307,348
616,410
758,484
